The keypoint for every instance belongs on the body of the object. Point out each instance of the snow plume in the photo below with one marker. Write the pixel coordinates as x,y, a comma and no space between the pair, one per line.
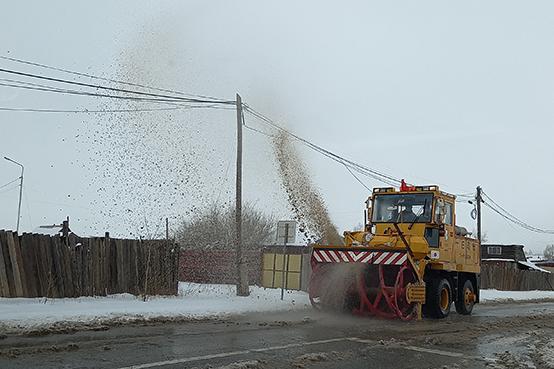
162,163
306,203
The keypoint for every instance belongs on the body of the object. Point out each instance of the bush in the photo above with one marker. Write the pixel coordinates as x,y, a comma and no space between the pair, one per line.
215,229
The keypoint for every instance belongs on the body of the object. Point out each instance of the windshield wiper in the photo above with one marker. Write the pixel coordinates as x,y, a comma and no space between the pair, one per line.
419,215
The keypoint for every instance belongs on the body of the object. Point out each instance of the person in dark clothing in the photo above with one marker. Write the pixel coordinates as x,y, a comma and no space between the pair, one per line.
407,215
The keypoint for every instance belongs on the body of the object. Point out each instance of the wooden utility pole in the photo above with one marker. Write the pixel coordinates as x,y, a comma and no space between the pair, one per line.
242,274
478,199
285,272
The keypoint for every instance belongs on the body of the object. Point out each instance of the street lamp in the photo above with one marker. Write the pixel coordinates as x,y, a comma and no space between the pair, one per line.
20,190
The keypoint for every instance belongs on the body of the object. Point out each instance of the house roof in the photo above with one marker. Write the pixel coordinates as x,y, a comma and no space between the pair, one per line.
498,259
501,245
48,230
533,266
526,264
548,263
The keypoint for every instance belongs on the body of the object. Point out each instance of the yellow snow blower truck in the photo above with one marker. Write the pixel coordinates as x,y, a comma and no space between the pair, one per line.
411,260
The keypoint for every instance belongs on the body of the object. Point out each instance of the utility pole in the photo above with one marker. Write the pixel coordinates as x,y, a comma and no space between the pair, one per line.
478,199
242,274
20,190
285,272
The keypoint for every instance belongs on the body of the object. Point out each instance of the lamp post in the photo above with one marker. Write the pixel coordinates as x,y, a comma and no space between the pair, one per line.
20,190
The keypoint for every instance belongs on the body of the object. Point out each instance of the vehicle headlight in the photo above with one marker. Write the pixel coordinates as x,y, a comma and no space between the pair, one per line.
368,237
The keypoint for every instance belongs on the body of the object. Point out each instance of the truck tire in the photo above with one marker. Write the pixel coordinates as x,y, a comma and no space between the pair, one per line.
465,299
438,298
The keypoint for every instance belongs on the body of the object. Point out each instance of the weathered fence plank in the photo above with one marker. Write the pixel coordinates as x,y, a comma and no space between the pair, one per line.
112,285
42,265
29,265
16,262
4,285
7,259
507,277
34,265
68,269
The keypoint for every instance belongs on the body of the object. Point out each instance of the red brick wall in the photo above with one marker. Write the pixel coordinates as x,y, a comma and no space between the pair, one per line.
217,266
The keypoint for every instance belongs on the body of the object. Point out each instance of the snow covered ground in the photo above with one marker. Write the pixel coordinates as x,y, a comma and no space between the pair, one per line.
507,296
195,301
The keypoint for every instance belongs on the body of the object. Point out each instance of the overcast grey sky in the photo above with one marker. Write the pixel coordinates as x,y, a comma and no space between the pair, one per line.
454,93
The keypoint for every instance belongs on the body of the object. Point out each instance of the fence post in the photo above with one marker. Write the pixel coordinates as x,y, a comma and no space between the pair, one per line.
4,284
17,264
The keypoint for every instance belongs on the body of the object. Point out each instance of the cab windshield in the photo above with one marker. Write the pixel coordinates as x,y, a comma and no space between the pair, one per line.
402,208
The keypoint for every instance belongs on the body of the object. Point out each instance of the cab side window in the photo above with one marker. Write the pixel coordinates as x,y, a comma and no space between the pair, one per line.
448,213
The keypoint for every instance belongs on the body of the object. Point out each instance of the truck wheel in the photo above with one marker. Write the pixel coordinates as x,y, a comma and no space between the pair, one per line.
466,298
438,298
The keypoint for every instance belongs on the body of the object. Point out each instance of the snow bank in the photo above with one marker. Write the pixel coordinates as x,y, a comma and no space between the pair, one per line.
195,301
506,296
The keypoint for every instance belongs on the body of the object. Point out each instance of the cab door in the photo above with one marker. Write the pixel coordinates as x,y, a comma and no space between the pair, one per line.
445,219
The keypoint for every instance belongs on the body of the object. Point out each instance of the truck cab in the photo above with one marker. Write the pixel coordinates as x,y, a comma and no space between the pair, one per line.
427,218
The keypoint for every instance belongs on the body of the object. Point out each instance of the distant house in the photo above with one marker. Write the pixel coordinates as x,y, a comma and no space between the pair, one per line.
55,229
508,252
502,254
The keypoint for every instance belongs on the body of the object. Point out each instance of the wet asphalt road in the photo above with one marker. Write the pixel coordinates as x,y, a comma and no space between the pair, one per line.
496,336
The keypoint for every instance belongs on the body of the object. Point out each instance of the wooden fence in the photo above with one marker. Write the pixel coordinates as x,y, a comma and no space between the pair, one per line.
34,265
506,276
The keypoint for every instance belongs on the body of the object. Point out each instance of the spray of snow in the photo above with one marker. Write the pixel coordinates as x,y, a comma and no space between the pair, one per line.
306,203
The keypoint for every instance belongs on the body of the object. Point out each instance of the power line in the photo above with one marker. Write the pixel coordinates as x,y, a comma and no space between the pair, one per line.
94,94
510,217
381,177
9,183
522,225
102,78
162,98
48,88
358,167
92,111
272,136
361,169
83,93
113,89
9,189
86,111
259,131
302,140
357,179
203,99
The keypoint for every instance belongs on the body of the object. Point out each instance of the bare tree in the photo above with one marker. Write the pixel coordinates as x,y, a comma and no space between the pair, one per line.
548,252
215,229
